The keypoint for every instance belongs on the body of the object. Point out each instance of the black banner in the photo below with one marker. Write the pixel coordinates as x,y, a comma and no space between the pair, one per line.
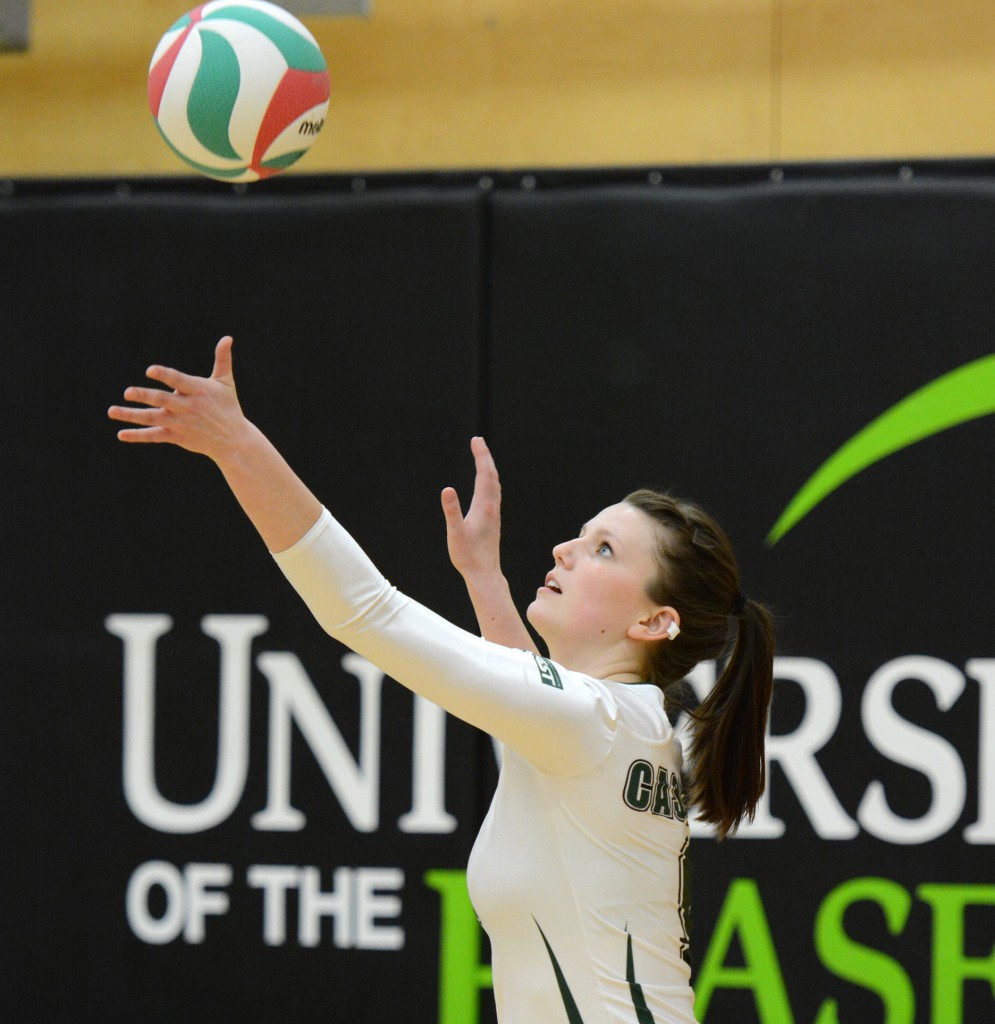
214,810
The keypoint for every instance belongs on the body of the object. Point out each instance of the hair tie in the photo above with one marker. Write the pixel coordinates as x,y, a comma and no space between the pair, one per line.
739,604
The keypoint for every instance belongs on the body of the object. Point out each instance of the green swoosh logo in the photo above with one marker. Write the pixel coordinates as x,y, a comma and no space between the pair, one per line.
958,396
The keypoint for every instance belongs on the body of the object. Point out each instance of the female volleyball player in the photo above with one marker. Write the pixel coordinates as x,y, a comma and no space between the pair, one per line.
577,874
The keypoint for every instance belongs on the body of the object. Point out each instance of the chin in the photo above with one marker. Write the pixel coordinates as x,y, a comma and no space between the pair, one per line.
533,616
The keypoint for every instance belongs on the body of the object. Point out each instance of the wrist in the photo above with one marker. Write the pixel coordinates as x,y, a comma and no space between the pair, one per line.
240,448
485,581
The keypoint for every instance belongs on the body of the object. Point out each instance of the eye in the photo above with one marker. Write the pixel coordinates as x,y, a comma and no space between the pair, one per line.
605,549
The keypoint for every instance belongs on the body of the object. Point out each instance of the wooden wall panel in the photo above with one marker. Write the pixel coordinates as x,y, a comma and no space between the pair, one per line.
527,83
888,79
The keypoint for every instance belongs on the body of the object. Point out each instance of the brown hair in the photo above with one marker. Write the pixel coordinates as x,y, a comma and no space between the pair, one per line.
699,577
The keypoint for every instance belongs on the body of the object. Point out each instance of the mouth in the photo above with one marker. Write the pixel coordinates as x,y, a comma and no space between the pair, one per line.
552,585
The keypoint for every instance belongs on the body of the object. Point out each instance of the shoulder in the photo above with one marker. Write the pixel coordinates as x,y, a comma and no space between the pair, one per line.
641,709
639,705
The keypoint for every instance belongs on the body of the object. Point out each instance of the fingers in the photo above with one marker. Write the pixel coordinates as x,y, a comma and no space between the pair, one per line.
186,383
481,452
451,507
222,360
155,397
147,435
127,414
147,429
482,457
178,415
181,383
157,401
486,485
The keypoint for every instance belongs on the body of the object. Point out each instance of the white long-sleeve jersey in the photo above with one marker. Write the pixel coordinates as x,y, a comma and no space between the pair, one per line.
577,873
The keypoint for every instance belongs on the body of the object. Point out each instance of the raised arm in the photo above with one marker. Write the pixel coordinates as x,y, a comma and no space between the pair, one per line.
202,414
564,729
475,550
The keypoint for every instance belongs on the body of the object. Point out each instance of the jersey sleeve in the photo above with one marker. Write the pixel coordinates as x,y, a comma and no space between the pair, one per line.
562,722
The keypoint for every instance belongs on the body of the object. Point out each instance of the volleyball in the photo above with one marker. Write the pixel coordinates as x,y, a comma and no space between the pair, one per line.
238,89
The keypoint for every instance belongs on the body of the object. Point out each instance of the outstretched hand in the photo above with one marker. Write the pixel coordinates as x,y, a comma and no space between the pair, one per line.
200,414
475,539
475,550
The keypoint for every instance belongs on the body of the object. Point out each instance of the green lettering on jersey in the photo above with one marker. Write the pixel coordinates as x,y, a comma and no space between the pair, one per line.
638,791
661,795
548,673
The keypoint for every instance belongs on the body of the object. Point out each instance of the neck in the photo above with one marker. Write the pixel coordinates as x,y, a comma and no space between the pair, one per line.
617,664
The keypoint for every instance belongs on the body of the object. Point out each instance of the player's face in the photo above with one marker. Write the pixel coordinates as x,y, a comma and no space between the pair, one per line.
598,586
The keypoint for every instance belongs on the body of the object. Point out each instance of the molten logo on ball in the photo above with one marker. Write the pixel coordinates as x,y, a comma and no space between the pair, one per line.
238,89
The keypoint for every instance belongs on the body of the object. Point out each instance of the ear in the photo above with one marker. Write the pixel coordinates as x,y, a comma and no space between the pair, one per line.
663,624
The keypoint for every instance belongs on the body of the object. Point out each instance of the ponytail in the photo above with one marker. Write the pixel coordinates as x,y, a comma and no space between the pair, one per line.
728,770
698,576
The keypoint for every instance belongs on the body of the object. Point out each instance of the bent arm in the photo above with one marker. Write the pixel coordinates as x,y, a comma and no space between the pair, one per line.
475,550
561,728
559,721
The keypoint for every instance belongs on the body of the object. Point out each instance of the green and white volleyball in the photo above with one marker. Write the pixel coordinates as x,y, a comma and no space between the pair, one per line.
238,89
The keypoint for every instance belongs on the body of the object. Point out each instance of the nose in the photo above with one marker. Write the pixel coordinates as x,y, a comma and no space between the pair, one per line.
563,552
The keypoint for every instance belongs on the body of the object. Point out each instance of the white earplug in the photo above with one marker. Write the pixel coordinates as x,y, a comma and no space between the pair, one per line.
673,629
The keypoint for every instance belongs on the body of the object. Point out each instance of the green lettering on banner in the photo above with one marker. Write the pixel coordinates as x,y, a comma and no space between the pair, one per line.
851,961
951,966
743,916
461,974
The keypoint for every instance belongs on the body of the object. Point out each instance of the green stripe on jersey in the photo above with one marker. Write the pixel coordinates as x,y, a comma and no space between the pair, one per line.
643,1014
573,1014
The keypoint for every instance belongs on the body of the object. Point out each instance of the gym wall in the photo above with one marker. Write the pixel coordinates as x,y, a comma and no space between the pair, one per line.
455,84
